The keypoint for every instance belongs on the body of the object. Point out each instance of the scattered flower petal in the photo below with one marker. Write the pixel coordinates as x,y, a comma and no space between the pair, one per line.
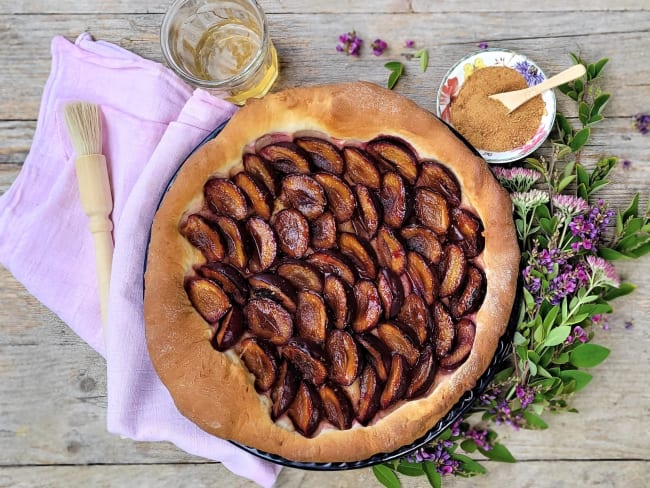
642,123
482,45
629,324
627,164
409,43
378,47
349,43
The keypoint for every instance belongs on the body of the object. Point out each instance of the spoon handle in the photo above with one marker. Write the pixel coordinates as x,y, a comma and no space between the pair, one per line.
569,74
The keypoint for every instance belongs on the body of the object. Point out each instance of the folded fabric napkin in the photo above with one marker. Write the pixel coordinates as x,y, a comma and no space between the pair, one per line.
151,121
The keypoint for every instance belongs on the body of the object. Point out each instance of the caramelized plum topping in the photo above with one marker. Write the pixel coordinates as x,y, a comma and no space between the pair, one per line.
323,154
399,340
265,244
336,406
368,306
268,320
467,232
305,194
203,236
262,172
423,374
465,334
302,275
230,280
344,357
471,297
339,300
423,241
397,382
369,393
415,315
425,282
323,231
332,262
285,389
444,330
226,198
377,354
339,196
390,251
431,210
207,298
391,292
258,198
452,270
307,358
394,200
440,179
305,410
292,230
230,329
286,157
235,249
397,155
361,168
269,285
261,359
368,212
359,252
311,317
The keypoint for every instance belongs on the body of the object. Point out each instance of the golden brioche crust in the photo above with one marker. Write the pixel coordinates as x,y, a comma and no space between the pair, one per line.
214,389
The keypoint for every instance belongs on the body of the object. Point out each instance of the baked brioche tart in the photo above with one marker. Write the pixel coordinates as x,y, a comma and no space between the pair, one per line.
329,275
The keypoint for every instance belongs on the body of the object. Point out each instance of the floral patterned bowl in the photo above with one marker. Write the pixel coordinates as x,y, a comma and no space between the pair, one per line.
456,76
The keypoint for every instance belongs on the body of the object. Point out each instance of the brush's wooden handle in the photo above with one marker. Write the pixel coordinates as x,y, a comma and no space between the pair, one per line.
97,203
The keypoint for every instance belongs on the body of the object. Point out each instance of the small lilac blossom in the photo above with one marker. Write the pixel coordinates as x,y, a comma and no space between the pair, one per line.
569,205
438,454
642,123
503,415
480,437
482,45
378,47
349,43
603,273
409,43
600,319
590,228
517,179
526,201
578,334
627,164
525,394
628,324
489,395
532,75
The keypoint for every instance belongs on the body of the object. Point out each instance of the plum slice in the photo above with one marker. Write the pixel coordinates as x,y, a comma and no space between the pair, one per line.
258,197
268,320
465,334
336,406
423,373
391,292
285,389
344,357
333,262
323,154
305,410
394,152
305,194
369,393
235,248
203,236
269,285
415,315
361,168
261,359
452,270
338,298
399,340
431,210
424,241
292,230
368,306
359,252
424,281
444,330
397,382
471,296
390,251
467,232
225,198
339,196
311,317
261,171
229,278
368,212
323,231
307,358
440,179
376,353
302,275
286,157
230,329
208,298
265,245
394,200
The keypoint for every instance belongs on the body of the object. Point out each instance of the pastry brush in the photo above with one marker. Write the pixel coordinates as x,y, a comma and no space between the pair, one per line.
84,126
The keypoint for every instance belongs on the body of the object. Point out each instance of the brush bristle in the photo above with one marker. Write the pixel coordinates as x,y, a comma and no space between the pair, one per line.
84,126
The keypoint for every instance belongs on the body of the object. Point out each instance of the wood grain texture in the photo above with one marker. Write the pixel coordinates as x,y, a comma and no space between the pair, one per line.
53,386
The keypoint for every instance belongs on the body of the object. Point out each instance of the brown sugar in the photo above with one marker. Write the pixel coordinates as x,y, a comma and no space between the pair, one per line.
484,122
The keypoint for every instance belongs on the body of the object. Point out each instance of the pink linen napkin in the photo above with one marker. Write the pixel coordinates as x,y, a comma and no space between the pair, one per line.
151,121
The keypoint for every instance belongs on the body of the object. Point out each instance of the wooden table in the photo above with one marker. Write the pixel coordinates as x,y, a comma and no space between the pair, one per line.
53,386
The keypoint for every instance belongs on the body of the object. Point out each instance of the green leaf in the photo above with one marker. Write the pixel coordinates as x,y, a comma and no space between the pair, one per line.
576,59
623,289
469,464
410,469
386,476
581,378
568,169
594,119
600,65
519,339
588,355
632,209
591,71
577,318
639,251
435,479
579,87
580,139
584,111
396,68
549,320
599,104
423,54
563,124
557,336
503,375
499,452
583,177
468,445
597,185
610,254
394,65
534,421
562,358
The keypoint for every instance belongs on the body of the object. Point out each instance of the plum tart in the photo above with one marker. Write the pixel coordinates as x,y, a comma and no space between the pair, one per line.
329,275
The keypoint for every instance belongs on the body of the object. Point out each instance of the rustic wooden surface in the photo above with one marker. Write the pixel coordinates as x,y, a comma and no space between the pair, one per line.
53,386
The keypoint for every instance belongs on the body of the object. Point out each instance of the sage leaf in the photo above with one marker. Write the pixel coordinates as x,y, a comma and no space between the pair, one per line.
534,421
410,469
557,336
396,69
564,182
599,104
623,289
469,464
580,378
386,476
393,65
468,445
435,480
632,209
588,355
600,65
580,139
424,60
584,111
610,254
499,452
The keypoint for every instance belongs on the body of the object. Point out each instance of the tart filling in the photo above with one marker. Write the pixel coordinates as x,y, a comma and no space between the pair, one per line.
322,292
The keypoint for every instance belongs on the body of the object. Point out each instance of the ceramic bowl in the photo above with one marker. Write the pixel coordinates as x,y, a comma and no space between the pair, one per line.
456,76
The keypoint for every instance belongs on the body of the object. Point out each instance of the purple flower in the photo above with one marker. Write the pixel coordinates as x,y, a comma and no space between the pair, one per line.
525,394
482,45
503,415
409,43
378,47
627,164
629,324
590,228
349,43
532,75
641,122
578,334
438,454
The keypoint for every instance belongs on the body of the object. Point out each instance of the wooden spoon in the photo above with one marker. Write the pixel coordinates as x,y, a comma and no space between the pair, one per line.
513,99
